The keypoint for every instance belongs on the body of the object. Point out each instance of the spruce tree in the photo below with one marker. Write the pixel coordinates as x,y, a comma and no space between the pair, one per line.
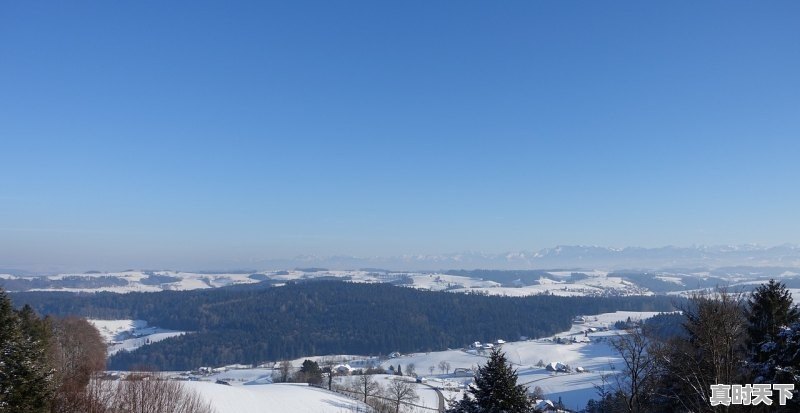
786,364
311,372
9,339
25,374
770,310
774,338
495,390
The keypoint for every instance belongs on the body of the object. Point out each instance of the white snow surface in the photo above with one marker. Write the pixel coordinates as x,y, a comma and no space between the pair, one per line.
596,283
591,352
129,335
575,389
273,398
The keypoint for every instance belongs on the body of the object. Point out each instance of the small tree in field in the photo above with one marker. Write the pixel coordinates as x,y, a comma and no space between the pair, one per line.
401,392
284,368
495,390
310,373
411,369
366,385
444,366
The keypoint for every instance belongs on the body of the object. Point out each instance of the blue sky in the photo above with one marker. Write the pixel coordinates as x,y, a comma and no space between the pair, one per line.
201,133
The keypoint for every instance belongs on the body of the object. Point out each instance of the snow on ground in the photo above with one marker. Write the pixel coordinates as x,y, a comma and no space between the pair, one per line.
428,398
671,279
559,289
273,398
143,281
243,376
130,334
795,294
594,354
566,274
251,392
595,283
112,330
438,282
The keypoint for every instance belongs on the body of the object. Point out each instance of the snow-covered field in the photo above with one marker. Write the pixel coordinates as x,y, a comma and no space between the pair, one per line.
576,282
593,354
251,386
558,283
273,398
129,335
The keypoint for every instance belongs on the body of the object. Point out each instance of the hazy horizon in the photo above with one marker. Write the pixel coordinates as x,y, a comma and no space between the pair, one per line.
559,256
198,134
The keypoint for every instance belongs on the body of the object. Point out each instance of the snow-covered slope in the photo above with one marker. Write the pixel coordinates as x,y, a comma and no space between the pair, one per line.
589,350
273,398
572,282
128,335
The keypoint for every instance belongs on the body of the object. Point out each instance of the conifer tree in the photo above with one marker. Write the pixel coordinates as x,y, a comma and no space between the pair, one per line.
786,364
770,310
774,338
25,375
310,372
495,390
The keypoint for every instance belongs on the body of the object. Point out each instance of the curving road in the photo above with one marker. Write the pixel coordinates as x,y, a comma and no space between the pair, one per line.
440,395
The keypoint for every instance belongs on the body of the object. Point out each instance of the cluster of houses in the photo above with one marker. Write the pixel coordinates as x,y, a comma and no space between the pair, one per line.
559,367
478,346
548,406
204,371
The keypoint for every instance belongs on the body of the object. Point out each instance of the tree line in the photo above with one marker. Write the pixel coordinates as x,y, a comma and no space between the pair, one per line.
56,365
325,317
720,338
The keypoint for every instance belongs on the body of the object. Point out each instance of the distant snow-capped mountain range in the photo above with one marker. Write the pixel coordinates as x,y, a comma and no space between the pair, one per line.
564,256
569,256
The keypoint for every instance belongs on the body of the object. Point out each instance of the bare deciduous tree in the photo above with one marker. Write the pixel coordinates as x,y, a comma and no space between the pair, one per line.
284,368
154,393
444,367
639,371
365,385
713,351
401,392
537,393
411,369
78,353
328,364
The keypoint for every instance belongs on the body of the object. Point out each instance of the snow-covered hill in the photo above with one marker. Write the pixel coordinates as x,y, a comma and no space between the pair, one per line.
569,282
129,335
274,398
584,345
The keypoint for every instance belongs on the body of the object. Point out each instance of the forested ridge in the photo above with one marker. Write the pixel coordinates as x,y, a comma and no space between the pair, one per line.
325,317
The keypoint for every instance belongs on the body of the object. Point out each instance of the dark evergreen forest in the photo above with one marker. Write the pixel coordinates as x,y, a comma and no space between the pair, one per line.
251,325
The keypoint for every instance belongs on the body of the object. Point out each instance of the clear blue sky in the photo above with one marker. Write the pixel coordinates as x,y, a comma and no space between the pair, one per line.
194,133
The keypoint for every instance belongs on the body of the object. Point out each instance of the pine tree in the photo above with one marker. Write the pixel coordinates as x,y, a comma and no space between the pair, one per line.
786,363
25,374
770,310
495,390
9,339
310,372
